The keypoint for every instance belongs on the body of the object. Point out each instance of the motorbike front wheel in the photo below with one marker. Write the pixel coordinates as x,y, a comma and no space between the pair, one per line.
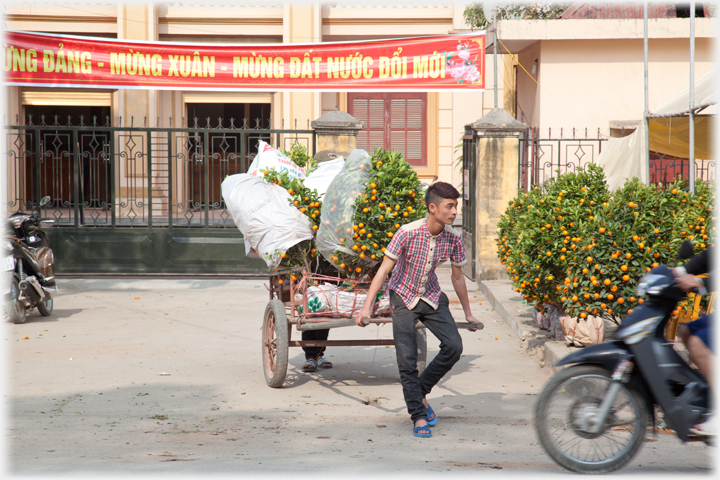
45,307
15,309
564,415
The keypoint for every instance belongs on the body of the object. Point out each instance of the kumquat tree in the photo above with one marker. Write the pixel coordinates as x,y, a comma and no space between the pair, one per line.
576,245
392,197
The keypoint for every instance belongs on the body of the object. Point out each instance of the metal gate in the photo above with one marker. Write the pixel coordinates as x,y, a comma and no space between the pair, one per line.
542,158
137,199
469,163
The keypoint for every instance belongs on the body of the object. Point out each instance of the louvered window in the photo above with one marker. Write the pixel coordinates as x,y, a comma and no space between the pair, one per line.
394,121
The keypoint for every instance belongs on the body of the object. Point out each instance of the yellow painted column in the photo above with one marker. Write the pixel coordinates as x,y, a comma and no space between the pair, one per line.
496,183
302,26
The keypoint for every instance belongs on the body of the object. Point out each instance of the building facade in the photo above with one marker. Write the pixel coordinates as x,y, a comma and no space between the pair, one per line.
435,119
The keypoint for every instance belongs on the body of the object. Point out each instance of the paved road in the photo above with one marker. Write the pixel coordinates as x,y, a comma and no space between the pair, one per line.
160,376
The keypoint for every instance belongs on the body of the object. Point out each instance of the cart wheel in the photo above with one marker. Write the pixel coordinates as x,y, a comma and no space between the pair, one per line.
421,339
276,335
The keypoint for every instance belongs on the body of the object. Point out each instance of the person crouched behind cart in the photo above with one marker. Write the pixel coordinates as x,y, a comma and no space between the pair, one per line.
314,355
414,252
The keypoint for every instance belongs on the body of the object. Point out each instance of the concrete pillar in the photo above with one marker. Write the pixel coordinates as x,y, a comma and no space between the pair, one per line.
498,148
336,133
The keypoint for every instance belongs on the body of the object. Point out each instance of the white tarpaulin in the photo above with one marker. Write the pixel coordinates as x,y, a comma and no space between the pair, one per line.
624,158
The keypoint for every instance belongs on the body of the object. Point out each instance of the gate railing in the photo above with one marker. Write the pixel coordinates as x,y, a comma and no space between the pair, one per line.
104,176
542,158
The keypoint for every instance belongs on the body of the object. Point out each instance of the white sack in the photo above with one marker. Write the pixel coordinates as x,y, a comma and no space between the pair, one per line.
269,157
320,178
263,213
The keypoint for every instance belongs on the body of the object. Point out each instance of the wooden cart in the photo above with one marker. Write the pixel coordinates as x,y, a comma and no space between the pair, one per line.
283,312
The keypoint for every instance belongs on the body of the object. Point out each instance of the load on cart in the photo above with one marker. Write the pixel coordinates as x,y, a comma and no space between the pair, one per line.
322,230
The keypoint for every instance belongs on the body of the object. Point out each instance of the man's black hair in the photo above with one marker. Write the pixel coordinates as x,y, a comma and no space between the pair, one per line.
439,191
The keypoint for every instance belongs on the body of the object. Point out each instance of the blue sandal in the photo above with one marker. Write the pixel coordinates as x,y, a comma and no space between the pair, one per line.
429,412
418,431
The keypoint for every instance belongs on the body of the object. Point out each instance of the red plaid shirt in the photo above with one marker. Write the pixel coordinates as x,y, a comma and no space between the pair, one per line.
417,253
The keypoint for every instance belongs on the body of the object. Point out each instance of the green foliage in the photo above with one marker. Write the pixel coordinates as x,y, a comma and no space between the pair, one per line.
475,17
299,155
579,246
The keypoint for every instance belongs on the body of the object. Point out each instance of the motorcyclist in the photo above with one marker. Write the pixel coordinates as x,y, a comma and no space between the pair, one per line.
697,335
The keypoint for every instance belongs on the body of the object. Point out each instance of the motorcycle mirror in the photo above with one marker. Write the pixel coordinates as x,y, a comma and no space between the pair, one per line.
45,200
686,250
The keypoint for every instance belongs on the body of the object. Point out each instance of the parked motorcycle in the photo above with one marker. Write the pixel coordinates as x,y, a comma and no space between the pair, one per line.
592,416
28,263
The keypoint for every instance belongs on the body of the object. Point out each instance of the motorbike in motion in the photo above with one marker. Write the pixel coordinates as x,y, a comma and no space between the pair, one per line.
28,265
592,416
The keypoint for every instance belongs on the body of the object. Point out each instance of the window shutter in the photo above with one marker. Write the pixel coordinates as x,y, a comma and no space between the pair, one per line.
371,112
394,121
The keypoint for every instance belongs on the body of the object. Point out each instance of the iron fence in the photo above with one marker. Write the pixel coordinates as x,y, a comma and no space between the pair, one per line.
665,169
99,175
543,158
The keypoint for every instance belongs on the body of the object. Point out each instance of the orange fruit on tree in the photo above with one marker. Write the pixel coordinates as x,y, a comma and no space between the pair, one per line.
626,277
603,306
282,255
610,296
607,281
621,300
624,268
613,288
583,315
574,298
589,259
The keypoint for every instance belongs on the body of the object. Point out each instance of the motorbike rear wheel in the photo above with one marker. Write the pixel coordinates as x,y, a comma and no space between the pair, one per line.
45,307
15,308
563,418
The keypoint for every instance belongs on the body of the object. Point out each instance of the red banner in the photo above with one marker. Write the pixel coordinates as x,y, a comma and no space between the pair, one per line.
448,62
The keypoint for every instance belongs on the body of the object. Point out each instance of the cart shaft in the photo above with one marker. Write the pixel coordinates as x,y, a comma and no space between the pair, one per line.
340,343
